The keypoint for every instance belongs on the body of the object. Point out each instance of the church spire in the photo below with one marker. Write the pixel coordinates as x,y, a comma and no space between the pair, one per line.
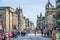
20,9
48,1
41,15
49,5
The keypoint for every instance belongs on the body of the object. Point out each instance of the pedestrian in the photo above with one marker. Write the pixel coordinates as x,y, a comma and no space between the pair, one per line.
47,33
18,33
7,36
23,33
42,33
13,35
4,37
53,37
0,37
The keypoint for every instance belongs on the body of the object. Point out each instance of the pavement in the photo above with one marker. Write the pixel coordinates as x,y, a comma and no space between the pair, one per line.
31,37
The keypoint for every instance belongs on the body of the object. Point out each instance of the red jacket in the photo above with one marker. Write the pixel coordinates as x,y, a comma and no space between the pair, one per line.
53,38
0,37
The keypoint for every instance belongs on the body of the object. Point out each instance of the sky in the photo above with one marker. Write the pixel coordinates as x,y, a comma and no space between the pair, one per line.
31,8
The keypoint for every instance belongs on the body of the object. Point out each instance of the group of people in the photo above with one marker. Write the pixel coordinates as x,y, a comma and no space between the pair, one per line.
45,34
23,33
3,37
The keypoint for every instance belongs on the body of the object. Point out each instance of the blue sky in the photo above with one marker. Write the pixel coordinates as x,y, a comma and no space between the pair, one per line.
31,8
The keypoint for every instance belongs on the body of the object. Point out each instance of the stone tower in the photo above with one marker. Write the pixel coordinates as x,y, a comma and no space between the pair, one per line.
50,12
39,21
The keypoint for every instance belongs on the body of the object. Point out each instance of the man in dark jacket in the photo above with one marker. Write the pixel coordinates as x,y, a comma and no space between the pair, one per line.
4,37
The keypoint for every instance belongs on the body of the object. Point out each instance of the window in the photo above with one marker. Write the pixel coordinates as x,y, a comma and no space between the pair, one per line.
0,16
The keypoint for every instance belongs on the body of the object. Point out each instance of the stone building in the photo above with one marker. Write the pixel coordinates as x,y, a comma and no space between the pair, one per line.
14,20
9,18
29,26
43,24
23,24
40,23
49,15
21,20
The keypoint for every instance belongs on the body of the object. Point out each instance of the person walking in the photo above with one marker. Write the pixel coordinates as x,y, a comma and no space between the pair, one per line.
7,36
4,37
42,33
0,37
